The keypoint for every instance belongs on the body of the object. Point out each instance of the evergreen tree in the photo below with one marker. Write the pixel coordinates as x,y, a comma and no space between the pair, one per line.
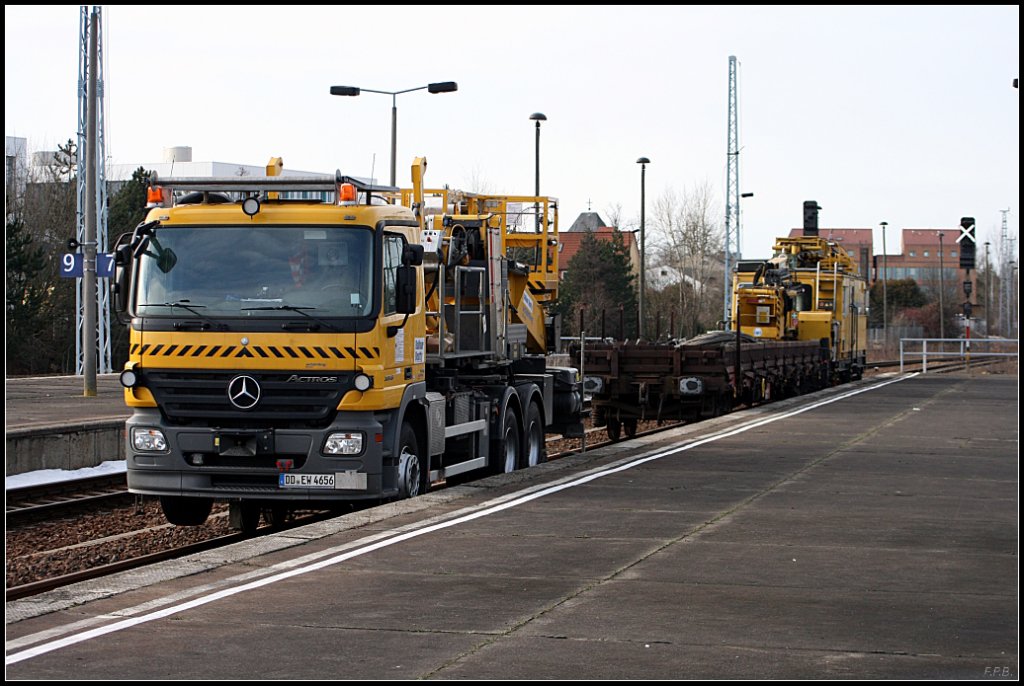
902,294
25,297
128,206
599,280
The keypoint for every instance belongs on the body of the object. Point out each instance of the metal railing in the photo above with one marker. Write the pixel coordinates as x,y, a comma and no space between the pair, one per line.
966,348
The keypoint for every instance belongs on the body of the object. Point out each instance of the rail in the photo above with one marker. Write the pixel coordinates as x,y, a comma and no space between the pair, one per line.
965,349
64,495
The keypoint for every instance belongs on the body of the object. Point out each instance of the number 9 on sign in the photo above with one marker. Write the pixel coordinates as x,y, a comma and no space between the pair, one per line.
71,264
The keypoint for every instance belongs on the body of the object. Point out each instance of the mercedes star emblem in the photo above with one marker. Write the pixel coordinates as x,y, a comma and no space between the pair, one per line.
244,392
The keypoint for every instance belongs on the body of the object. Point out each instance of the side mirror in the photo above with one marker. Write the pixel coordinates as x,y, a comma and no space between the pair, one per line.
412,255
119,285
405,282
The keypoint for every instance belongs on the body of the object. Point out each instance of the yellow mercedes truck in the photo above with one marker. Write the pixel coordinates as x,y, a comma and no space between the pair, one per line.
306,341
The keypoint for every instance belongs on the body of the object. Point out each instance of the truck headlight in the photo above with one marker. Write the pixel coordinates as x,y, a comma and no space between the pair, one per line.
129,378
691,385
149,440
593,384
344,443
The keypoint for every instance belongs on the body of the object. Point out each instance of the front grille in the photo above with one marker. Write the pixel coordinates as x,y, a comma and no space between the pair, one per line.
200,398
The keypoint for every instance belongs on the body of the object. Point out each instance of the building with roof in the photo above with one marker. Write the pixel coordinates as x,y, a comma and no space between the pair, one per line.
569,242
178,162
588,221
922,255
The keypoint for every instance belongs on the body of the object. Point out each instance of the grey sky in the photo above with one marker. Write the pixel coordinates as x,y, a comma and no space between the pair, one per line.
897,114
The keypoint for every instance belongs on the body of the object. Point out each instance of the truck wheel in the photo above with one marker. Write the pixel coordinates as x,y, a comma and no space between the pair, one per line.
505,451
248,517
410,464
276,515
630,426
184,511
533,437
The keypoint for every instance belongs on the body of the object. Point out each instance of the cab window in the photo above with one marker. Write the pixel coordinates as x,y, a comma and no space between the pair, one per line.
393,248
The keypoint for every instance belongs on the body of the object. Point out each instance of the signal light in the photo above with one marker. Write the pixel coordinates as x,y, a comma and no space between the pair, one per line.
346,193
967,242
155,196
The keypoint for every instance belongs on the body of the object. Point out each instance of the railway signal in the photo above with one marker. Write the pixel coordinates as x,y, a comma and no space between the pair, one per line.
967,242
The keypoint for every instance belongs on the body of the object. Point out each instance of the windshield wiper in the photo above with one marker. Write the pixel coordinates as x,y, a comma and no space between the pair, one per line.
185,305
300,309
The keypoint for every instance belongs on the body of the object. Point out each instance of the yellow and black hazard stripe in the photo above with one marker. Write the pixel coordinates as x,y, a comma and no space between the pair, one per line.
311,352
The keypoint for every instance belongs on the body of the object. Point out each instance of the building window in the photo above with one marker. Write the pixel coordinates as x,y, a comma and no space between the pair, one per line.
913,254
926,253
952,253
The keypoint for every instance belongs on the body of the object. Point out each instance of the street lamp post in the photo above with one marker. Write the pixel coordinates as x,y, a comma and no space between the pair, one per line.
988,291
942,287
440,87
537,117
643,162
1016,288
885,295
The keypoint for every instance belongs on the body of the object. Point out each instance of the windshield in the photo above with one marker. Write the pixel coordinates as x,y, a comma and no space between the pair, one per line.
267,271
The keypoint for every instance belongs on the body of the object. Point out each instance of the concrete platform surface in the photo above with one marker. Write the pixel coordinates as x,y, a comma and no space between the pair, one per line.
56,401
866,532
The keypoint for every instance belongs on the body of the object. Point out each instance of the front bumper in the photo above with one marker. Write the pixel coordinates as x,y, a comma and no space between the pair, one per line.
227,464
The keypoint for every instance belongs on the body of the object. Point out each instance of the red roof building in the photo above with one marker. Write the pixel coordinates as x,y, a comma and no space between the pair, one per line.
922,253
570,241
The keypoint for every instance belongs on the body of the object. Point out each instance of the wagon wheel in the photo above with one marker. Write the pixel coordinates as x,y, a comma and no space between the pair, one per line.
630,426
614,429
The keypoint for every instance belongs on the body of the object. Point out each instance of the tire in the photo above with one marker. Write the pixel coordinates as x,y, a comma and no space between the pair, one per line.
506,451
185,511
276,515
249,517
630,426
411,473
614,430
534,447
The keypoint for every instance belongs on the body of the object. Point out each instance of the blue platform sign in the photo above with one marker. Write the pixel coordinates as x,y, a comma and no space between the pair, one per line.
105,264
72,264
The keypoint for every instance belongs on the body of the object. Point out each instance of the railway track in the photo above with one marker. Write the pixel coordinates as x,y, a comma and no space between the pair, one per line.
54,507
61,496
81,553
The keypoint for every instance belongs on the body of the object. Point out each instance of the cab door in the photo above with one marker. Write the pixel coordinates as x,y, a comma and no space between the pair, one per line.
403,344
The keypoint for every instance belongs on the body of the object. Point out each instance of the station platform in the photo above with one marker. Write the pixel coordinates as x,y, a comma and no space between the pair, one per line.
50,424
868,531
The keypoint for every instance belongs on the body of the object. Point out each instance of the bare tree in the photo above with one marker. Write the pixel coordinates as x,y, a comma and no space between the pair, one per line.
687,240
478,182
614,214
